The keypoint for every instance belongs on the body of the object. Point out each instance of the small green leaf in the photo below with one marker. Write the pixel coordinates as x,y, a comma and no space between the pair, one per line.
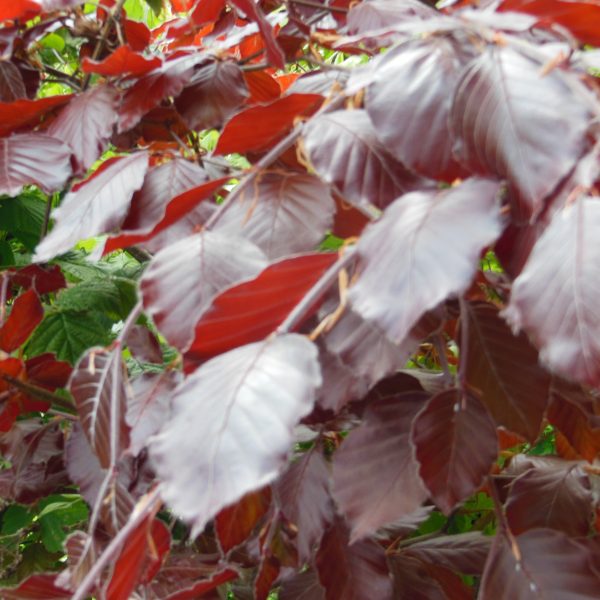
155,5
15,518
53,41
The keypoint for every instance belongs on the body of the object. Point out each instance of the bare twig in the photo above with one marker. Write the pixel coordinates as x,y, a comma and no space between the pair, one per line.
309,3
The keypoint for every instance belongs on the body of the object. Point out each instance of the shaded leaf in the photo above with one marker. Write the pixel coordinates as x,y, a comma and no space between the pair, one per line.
98,388
41,586
283,214
12,86
504,369
144,345
352,572
33,159
181,281
456,446
404,273
27,312
379,450
554,297
249,311
264,385
86,124
302,586
511,137
99,205
344,150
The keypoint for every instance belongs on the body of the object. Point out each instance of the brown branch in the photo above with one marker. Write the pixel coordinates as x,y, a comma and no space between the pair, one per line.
39,393
309,3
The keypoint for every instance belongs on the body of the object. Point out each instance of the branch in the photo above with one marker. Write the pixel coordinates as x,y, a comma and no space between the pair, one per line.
39,392
340,9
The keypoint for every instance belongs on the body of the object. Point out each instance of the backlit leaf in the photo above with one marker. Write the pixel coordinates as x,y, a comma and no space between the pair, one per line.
14,115
123,61
205,464
26,314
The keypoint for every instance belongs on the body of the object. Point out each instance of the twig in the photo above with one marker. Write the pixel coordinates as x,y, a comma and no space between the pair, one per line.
40,393
46,222
464,343
254,67
65,78
340,9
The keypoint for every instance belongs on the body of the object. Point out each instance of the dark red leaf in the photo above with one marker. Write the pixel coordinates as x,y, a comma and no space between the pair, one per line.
235,523
144,345
456,446
404,274
268,571
44,370
504,370
415,130
137,34
12,86
42,279
352,571
96,206
379,450
183,279
412,581
26,314
539,563
41,586
268,385
14,115
511,137
33,159
86,124
123,61
98,385
250,311
198,589
259,127
305,500
344,150
302,586
282,214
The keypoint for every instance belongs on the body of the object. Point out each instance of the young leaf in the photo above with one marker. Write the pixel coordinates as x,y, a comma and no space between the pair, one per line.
219,416
86,124
344,150
181,281
282,215
33,159
554,297
97,206
404,273
456,446
375,479
26,314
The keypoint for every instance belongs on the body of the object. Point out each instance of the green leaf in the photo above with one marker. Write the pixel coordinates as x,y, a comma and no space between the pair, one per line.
59,512
7,257
115,297
69,334
77,267
15,518
23,217
155,5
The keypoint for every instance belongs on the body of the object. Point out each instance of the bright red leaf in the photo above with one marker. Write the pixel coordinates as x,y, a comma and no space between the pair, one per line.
123,61
25,316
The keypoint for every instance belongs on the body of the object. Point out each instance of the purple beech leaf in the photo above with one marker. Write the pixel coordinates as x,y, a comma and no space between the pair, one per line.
555,298
305,499
214,450
86,124
97,206
149,406
12,86
343,148
409,104
504,370
540,563
375,478
83,465
424,249
98,385
33,159
302,586
456,445
283,214
183,278
372,15
500,114
162,183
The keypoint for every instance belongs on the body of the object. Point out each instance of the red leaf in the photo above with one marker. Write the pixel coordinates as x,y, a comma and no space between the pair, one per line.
33,159
42,279
416,130
98,388
14,115
352,572
41,586
263,87
182,280
201,587
282,214
456,446
270,385
379,450
539,563
207,11
86,124
26,314
301,586
137,34
19,9
96,206
404,273
123,61
44,370
254,13
554,297
250,311
511,137
305,500
259,127
344,150
235,523
215,92
12,86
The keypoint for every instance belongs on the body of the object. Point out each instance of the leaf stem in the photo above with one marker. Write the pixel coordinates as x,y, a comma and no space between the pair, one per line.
136,311
309,3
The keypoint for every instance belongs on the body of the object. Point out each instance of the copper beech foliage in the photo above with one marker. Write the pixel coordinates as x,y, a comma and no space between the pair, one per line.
352,349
